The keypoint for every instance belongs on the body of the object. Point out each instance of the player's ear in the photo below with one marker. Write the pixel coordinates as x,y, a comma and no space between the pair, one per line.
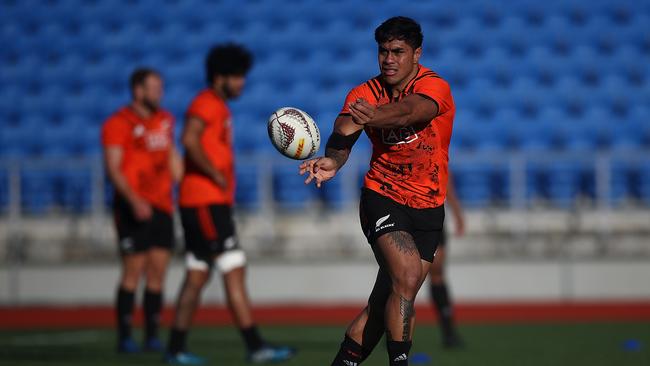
416,55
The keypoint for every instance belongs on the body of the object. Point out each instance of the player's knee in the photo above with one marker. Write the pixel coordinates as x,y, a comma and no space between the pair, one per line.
130,279
407,281
129,284
155,281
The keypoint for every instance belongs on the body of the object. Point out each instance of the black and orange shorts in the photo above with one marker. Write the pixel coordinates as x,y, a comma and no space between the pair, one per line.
209,231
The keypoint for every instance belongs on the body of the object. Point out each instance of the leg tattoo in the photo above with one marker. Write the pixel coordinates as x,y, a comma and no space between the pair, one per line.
406,310
403,242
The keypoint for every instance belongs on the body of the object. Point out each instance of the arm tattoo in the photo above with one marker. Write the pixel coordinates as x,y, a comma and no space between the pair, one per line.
406,310
404,242
339,156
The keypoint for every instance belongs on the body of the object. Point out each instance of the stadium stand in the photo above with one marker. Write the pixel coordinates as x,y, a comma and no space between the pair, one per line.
528,78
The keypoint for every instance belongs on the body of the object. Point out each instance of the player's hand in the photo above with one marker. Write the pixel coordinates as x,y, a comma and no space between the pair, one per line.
220,180
459,221
320,169
361,111
141,209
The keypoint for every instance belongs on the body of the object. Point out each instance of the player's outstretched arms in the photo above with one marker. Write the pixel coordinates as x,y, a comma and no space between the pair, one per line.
411,110
339,145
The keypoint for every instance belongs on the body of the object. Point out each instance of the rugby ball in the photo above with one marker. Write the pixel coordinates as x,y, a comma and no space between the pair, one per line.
294,133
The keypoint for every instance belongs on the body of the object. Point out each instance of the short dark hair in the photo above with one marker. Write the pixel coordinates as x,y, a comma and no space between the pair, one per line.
139,75
402,29
227,59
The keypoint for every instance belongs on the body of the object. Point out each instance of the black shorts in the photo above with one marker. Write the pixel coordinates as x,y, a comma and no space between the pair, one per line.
444,237
139,236
381,215
209,231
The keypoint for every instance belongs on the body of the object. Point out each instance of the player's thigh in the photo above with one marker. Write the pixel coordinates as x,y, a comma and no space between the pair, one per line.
133,265
157,261
400,256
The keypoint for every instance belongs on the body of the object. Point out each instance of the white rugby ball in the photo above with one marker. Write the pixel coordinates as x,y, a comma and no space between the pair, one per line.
294,133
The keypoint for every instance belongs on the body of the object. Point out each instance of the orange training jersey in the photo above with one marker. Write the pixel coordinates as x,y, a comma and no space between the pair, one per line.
146,145
409,164
196,188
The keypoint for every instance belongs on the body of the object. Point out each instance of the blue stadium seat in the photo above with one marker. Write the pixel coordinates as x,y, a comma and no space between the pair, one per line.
576,135
74,191
473,182
622,182
564,182
4,189
251,135
334,192
248,195
490,137
21,71
643,182
289,189
38,189
534,136
500,183
626,137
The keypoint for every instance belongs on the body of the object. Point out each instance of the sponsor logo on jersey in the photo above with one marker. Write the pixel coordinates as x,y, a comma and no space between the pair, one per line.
397,136
138,131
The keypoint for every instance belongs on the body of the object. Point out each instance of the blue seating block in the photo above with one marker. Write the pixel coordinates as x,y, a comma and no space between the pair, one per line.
248,195
38,189
289,189
74,189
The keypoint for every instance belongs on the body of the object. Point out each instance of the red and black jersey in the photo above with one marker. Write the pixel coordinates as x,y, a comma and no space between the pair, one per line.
409,164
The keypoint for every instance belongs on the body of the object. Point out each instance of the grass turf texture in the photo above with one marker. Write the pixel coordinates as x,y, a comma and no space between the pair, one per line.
596,344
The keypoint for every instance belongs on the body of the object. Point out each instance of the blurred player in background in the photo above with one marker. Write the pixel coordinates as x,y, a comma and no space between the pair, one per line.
206,199
407,112
440,298
142,163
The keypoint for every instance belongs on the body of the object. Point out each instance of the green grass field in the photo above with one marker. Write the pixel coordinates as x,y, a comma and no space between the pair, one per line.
498,345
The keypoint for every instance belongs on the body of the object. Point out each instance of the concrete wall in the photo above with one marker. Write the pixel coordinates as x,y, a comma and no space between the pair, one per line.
347,282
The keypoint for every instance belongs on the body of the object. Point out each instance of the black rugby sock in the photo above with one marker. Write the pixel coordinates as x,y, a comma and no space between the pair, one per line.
152,306
350,354
124,312
398,353
440,297
252,338
177,341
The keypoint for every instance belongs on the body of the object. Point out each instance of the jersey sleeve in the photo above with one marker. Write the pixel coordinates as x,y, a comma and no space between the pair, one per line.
201,108
437,90
115,132
360,91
